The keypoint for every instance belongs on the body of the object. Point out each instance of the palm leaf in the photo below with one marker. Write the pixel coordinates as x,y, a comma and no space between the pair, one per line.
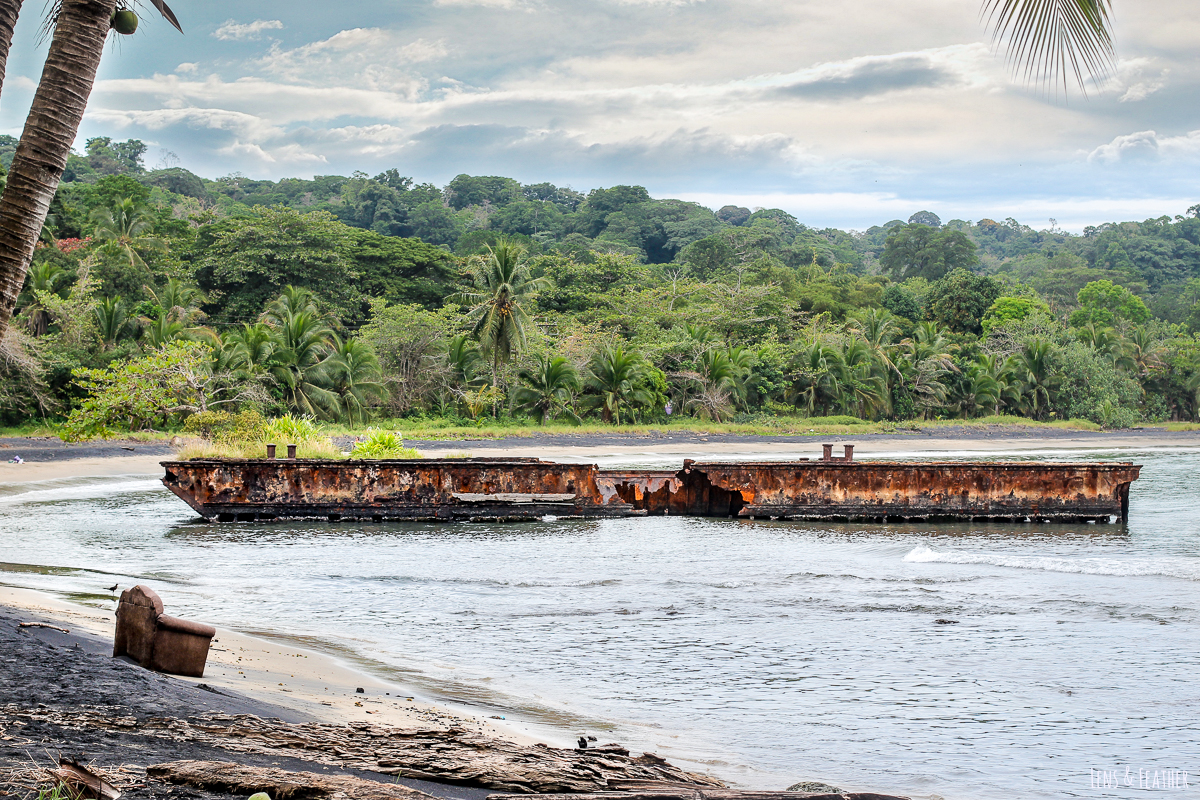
1048,40
167,13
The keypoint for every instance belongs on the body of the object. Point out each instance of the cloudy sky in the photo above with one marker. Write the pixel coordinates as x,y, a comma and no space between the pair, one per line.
844,113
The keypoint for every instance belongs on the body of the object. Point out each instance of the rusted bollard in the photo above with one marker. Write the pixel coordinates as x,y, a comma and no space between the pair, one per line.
270,451
292,451
849,451
828,454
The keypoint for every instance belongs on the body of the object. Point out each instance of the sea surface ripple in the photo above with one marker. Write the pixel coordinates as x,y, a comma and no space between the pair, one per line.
764,652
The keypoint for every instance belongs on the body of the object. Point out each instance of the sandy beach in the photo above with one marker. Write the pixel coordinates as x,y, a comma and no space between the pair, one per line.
309,683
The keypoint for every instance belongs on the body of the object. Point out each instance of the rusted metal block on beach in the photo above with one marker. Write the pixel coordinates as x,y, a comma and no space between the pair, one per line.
157,641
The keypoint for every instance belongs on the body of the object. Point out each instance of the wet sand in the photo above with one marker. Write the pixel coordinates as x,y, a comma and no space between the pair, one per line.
307,683
75,672
46,458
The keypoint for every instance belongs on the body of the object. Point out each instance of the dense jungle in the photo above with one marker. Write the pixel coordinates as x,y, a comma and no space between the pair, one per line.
158,296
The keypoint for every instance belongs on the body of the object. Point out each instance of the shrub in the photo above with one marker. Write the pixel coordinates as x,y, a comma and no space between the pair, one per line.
382,444
226,427
291,429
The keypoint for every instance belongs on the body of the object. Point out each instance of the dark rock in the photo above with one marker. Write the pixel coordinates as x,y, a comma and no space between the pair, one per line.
813,786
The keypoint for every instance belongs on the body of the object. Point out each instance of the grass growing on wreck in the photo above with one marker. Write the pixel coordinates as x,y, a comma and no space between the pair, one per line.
203,448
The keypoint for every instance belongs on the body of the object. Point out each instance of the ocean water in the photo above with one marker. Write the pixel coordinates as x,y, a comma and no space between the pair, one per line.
762,652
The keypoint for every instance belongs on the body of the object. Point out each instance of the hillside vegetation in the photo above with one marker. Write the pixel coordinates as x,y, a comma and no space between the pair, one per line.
158,295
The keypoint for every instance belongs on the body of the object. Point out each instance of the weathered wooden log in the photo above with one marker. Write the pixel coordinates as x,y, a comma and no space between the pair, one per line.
81,782
449,756
280,784
666,792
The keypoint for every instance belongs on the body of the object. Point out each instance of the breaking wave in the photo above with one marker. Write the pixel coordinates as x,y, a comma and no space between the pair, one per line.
81,491
1185,568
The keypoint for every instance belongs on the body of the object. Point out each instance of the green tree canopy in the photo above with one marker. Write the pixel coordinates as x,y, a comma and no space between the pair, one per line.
960,299
919,251
1104,303
248,261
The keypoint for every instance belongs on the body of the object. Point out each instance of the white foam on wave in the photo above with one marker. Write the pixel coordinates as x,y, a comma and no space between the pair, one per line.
81,491
1185,568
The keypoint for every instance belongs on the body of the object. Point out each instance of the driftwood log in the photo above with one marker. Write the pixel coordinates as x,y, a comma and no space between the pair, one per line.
449,756
280,784
42,625
705,793
81,782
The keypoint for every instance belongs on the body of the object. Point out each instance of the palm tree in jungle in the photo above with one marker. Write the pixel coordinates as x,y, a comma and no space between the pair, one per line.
302,363
354,373
43,278
549,384
126,228
503,288
1033,366
617,376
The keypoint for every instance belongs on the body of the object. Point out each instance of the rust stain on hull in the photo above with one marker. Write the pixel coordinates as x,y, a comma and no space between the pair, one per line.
519,489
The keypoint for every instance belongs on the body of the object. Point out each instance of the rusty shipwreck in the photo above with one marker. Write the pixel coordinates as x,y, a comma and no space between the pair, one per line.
510,489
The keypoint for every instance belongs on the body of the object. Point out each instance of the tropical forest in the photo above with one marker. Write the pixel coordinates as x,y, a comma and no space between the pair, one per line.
160,300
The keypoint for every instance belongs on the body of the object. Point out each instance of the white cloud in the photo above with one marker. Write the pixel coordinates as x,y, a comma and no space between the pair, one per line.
1135,79
371,56
233,31
187,68
1147,146
506,4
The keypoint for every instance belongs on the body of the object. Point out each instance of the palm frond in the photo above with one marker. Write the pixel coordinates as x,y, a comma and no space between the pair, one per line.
1050,40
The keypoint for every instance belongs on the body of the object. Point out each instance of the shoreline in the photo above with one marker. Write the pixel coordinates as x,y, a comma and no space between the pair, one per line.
50,460
309,684
306,682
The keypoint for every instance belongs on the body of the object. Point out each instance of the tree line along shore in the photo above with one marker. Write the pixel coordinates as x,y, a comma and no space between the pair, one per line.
159,299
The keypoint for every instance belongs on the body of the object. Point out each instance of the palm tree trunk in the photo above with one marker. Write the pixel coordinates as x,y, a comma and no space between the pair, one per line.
9,11
50,130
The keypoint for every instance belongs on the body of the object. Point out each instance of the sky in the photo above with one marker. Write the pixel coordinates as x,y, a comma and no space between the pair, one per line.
846,114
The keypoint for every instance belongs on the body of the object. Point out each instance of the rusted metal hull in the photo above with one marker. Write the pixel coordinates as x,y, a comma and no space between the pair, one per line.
518,489
481,488
881,490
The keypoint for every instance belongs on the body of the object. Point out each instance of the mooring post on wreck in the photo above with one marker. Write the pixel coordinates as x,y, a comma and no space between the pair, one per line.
271,452
827,455
849,448
292,452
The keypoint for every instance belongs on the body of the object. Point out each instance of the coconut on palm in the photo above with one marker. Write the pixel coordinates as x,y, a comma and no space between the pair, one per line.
124,21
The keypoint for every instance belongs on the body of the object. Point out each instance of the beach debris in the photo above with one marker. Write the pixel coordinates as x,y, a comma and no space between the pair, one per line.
82,782
42,625
945,622
656,790
813,786
157,641
360,690
259,796
280,784
455,755
16,460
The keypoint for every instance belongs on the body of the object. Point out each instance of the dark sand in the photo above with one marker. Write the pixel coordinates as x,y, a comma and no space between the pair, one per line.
49,448
39,666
